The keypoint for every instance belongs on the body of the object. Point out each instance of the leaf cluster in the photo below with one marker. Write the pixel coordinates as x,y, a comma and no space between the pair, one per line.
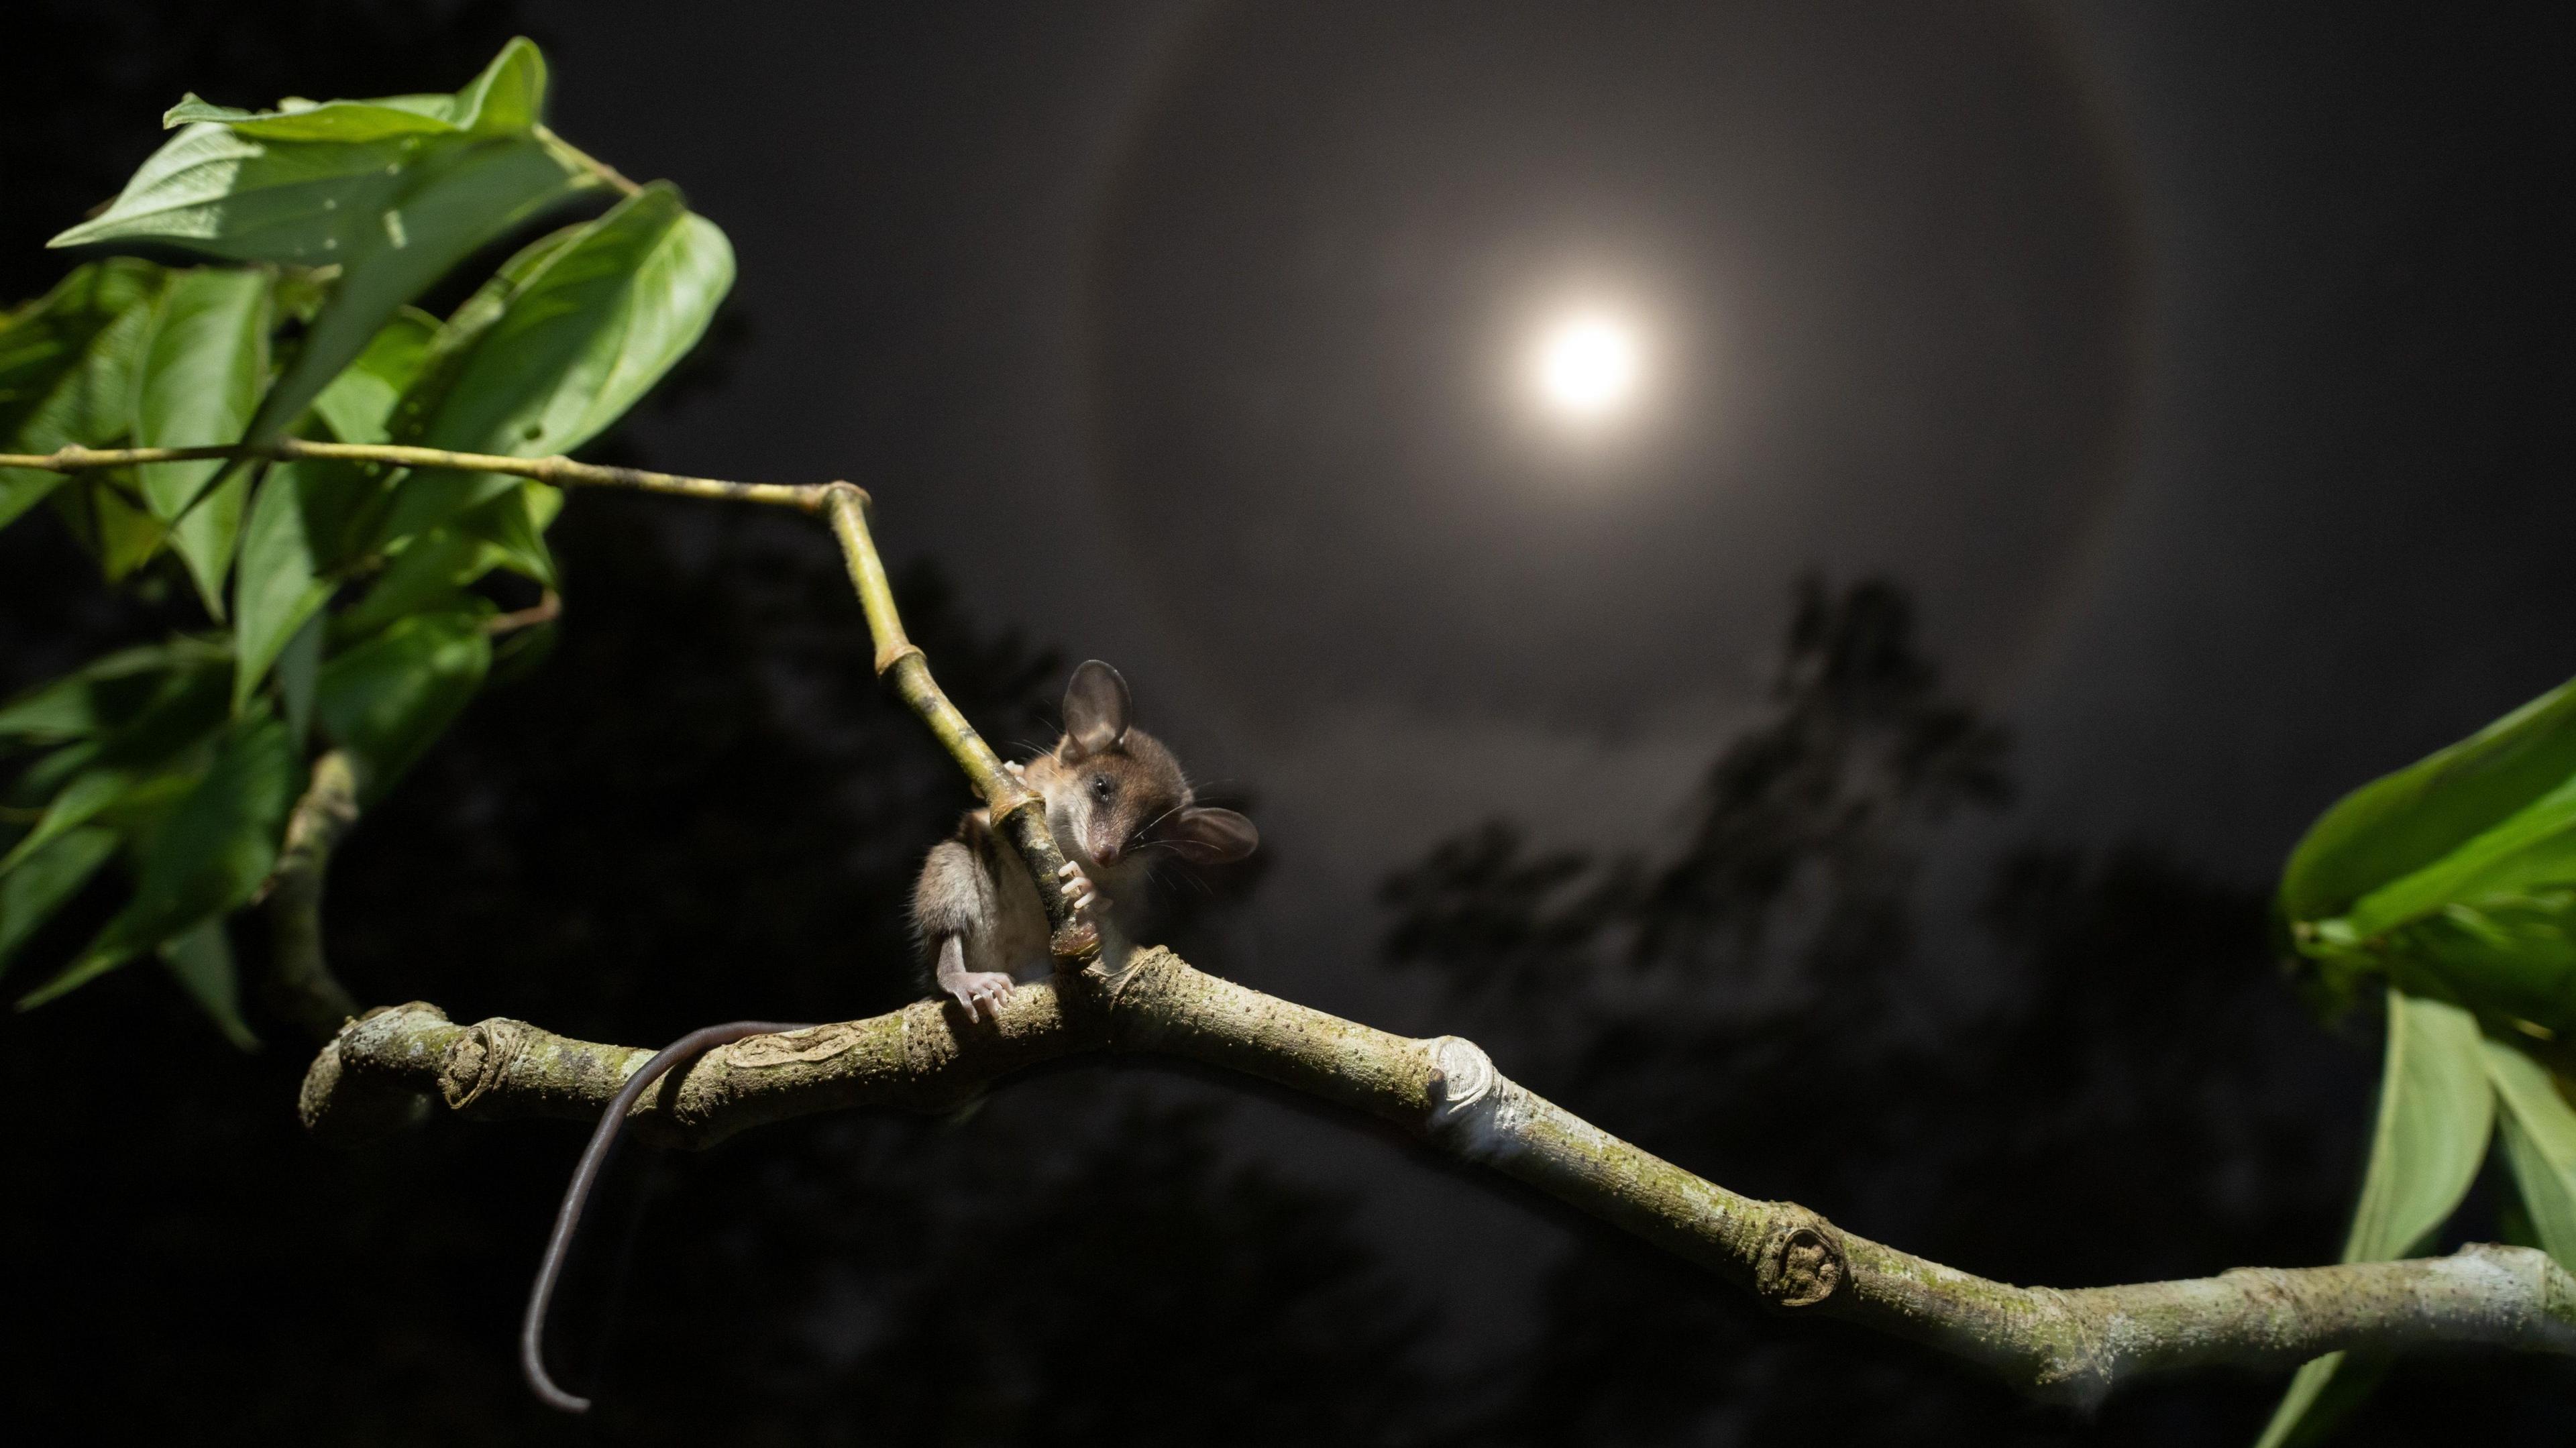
2448,890
347,606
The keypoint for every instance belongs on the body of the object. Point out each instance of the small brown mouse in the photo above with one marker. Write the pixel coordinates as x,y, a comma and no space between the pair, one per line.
1115,798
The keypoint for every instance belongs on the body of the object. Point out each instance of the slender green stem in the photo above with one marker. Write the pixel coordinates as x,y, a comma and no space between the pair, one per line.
561,471
586,161
1019,814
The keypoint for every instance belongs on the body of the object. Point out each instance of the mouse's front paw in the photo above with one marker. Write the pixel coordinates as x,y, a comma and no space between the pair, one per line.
980,992
1077,887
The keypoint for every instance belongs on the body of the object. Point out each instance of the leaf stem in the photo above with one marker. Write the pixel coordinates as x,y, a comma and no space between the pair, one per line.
586,161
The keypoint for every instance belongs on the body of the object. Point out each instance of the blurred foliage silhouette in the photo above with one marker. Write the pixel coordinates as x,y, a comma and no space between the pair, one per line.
2134,1094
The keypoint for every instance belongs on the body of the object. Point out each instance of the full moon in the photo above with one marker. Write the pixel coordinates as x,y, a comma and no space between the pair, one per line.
1587,366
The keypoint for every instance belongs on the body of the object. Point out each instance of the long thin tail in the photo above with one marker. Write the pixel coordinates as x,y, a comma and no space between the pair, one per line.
532,1330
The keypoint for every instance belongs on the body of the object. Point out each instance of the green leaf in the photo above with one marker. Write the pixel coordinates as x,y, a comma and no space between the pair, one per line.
127,535
202,962
2436,1113
377,120
387,699
2322,1394
515,523
428,500
368,188
2510,956
360,401
152,746
2436,1110
428,571
30,894
2455,876
108,692
67,370
44,342
280,588
41,781
452,204
203,365
212,852
299,673
508,96
2540,1143
24,488
2533,848
88,794
205,536
204,362
575,332
590,332
2398,824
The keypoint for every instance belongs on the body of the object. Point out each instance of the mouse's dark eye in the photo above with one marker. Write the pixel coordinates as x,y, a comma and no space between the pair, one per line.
1101,788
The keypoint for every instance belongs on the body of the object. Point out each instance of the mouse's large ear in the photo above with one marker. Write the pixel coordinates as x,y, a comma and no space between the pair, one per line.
1095,708
1210,836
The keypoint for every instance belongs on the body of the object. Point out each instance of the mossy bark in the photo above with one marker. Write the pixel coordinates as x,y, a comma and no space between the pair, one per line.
2070,1346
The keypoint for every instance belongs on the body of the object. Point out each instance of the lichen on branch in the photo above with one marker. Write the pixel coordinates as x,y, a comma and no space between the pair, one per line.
2069,1346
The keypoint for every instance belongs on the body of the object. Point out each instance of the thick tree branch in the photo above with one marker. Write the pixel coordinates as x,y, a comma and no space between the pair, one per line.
2064,1346
300,984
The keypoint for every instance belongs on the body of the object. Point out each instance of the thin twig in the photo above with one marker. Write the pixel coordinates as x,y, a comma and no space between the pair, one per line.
562,471
547,608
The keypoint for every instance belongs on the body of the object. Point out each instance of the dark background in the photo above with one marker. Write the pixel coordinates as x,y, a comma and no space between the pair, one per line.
2084,442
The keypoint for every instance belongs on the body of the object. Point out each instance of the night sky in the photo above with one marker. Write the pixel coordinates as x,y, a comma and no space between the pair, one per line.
2199,370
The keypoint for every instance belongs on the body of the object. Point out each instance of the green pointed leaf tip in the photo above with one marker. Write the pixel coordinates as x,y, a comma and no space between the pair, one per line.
215,848
389,698
45,881
2322,1394
508,97
247,184
2436,1114
281,587
515,523
2540,1145
127,534
108,693
89,794
201,960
